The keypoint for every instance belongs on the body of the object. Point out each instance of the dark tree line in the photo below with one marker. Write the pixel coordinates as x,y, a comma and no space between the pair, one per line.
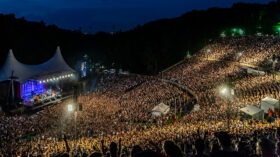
146,49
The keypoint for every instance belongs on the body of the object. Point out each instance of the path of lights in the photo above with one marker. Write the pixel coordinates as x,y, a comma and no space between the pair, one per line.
53,79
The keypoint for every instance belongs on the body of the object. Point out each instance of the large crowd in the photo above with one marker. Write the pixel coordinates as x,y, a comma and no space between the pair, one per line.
116,118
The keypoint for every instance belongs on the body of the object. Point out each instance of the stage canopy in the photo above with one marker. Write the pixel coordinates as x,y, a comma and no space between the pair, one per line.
271,103
160,109
56,65
253,112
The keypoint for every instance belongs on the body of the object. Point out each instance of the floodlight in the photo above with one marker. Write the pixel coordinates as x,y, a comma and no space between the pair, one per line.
223,91
70,107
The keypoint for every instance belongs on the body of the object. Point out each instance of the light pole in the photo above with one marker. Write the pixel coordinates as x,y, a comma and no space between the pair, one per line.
227,92
180,99
208,53
239,56
71,108
273,68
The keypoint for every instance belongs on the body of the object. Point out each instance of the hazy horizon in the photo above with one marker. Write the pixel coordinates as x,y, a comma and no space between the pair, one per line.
106,15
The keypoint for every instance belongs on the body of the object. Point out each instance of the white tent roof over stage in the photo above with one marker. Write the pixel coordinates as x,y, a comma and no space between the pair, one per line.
24,72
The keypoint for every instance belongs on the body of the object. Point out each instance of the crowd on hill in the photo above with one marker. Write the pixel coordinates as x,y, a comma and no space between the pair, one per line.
111,110
245,49
116,118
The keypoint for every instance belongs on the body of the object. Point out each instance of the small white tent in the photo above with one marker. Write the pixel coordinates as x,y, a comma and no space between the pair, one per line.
252,112
271,103
255,72
160,109
196,107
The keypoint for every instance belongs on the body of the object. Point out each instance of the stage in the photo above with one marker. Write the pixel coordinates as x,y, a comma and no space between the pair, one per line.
35,108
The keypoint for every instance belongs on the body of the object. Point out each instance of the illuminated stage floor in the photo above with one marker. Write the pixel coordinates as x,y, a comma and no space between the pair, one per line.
32,108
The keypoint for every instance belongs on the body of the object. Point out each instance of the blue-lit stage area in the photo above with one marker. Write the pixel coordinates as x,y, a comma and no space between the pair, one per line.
39,91
32,88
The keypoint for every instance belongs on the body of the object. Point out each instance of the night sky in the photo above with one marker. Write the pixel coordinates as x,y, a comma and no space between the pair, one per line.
106,15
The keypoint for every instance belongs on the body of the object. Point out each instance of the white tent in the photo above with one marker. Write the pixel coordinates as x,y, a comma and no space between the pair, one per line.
253,112
196,107
255,72
271,103
160,109
11,65
24,72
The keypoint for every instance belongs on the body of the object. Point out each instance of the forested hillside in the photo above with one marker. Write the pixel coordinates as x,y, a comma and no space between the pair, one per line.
145,49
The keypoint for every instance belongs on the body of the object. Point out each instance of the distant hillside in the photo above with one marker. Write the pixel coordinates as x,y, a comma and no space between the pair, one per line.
146,49
162,43
34,42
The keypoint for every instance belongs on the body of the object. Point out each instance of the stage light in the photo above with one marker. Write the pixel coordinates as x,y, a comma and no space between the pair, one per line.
69,75
223,34
277,28
70,108
40,82
241,32
44,81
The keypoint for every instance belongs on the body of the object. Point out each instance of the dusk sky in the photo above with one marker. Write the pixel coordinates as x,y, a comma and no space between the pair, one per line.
106,15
